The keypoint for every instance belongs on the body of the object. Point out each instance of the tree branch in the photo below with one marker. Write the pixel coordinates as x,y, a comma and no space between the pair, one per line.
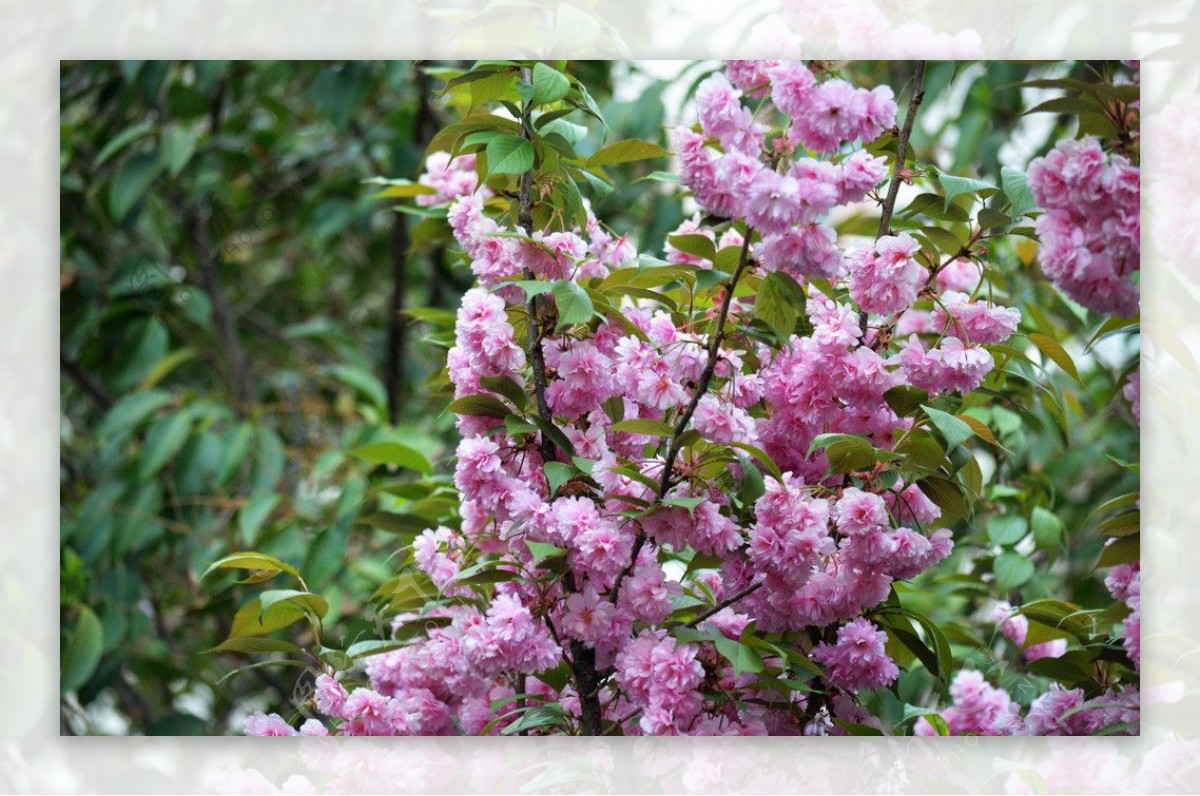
685,417
721,606
889,202
86,382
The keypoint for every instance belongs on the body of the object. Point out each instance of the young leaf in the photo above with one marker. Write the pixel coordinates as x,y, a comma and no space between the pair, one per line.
573,303
953,430
1056,352
509,154
695,244
549,84
1016,189
626,152
1011,570
394,453
480,405
1007,529
957,186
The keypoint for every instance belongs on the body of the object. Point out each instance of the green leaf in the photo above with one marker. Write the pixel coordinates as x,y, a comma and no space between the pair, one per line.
954,431
649,428
991,219
905,400
558,473
932,205
1060,615
945,240
752,486
487,577
256,646
1011,570
1066,105
259,562
573,303
695,244
121,140
362,381
921,450
778,303
507,387
252,620
1124,524
1016,189
393,522
946,495
1056,352
1007,529
549,84
509,154
253,514
1122,551
845,452
542,551
130,183
626,152
855,729
480,405
396,454
1047,528
309,603
980,429
954,186
745,660
165,439
178,146
131,410
555,435
761,457
83,650
404,189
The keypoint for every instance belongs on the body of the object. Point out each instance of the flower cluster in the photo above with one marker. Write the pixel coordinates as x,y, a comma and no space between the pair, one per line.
642,416
1091,230
1125,584
980,708
449,178
1015,627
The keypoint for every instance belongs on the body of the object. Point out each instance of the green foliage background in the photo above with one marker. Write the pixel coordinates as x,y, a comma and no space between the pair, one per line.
233,294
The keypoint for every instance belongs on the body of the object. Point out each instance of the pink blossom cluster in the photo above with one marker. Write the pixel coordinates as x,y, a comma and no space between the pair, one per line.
1015,627
449,178
980,708
1132,392
1125,584
1091,230
814,551
857,661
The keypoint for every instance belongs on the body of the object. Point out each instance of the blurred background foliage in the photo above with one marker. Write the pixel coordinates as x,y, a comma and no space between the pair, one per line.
233,299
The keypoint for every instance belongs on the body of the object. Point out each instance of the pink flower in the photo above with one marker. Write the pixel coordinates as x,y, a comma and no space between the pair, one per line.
857,662
588,616
885,279
259,724
858,513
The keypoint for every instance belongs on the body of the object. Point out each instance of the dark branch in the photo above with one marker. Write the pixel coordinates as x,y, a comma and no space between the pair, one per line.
889,202
86,381
685,417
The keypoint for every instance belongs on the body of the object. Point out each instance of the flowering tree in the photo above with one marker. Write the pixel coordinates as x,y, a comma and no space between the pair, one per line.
703,493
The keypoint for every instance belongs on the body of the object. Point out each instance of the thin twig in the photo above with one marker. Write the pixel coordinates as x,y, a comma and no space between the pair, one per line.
86,381
889,202
728,601
685,417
